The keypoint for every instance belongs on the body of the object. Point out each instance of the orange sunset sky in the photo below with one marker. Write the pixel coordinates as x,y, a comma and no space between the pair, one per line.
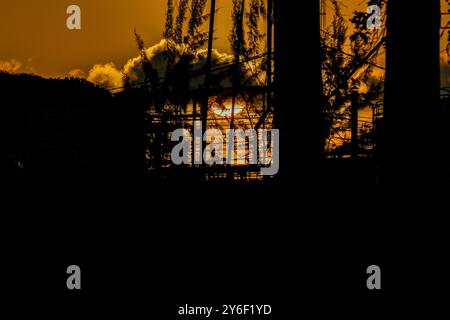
34,37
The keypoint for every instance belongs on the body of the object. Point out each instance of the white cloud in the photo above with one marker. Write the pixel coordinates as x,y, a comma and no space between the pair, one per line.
108,76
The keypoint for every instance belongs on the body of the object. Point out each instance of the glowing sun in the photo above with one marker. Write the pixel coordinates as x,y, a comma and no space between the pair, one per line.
226,109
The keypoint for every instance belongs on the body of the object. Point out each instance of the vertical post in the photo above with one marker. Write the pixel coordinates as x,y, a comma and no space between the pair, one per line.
236,76
205,95
412,162
374,127
269,62
298,117
354,124
194,118
269,51
211,35
323,15
208,65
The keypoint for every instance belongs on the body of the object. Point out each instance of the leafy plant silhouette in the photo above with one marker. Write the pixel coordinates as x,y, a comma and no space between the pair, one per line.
348,62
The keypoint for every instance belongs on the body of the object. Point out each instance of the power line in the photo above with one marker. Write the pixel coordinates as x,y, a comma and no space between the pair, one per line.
200,72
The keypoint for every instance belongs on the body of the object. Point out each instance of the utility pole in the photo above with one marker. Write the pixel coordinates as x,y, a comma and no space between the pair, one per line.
204,110
354,124
298,74
269,53
205,96
412,112
236,72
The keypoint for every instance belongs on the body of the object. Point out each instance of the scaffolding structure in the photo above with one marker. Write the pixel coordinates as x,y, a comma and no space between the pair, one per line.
237,107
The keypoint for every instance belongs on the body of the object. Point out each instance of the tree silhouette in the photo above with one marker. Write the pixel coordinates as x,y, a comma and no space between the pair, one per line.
347,71
168,96
59,132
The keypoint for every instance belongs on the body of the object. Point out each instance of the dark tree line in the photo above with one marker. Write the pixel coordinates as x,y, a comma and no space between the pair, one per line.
55,131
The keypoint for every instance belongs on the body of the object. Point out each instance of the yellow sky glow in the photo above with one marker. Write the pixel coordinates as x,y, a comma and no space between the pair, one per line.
34,37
